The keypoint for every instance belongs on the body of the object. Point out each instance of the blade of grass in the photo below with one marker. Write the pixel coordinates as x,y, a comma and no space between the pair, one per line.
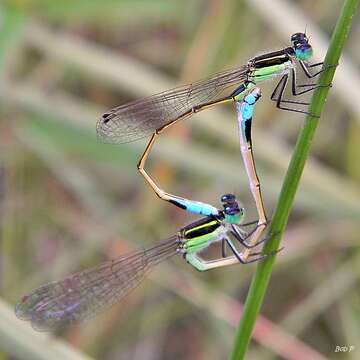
262,276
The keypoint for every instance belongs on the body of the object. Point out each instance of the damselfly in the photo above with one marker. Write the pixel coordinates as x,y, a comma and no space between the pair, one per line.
82,295
152,115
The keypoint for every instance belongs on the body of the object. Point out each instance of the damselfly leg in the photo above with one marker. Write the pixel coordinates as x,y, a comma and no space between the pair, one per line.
278,93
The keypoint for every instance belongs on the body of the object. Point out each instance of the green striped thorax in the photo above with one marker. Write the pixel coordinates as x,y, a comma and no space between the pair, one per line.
199,235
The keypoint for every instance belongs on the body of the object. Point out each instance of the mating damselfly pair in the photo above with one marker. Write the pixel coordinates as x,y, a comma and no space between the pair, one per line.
83,294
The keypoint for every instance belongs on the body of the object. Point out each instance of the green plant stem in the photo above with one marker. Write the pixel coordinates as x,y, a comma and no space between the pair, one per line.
263,272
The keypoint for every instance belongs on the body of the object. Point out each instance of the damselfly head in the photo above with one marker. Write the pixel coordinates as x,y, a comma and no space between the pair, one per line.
301,46
228,198
232,212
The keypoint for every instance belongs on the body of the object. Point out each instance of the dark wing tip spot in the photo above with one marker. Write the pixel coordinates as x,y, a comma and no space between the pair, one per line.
107,117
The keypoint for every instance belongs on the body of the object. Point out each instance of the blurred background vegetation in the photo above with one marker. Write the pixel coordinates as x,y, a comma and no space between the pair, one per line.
68,202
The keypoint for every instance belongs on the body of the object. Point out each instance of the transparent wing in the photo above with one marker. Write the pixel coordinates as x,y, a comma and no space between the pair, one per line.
82,295
140,118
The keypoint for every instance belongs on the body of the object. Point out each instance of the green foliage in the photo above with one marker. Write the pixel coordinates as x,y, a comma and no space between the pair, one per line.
67,201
